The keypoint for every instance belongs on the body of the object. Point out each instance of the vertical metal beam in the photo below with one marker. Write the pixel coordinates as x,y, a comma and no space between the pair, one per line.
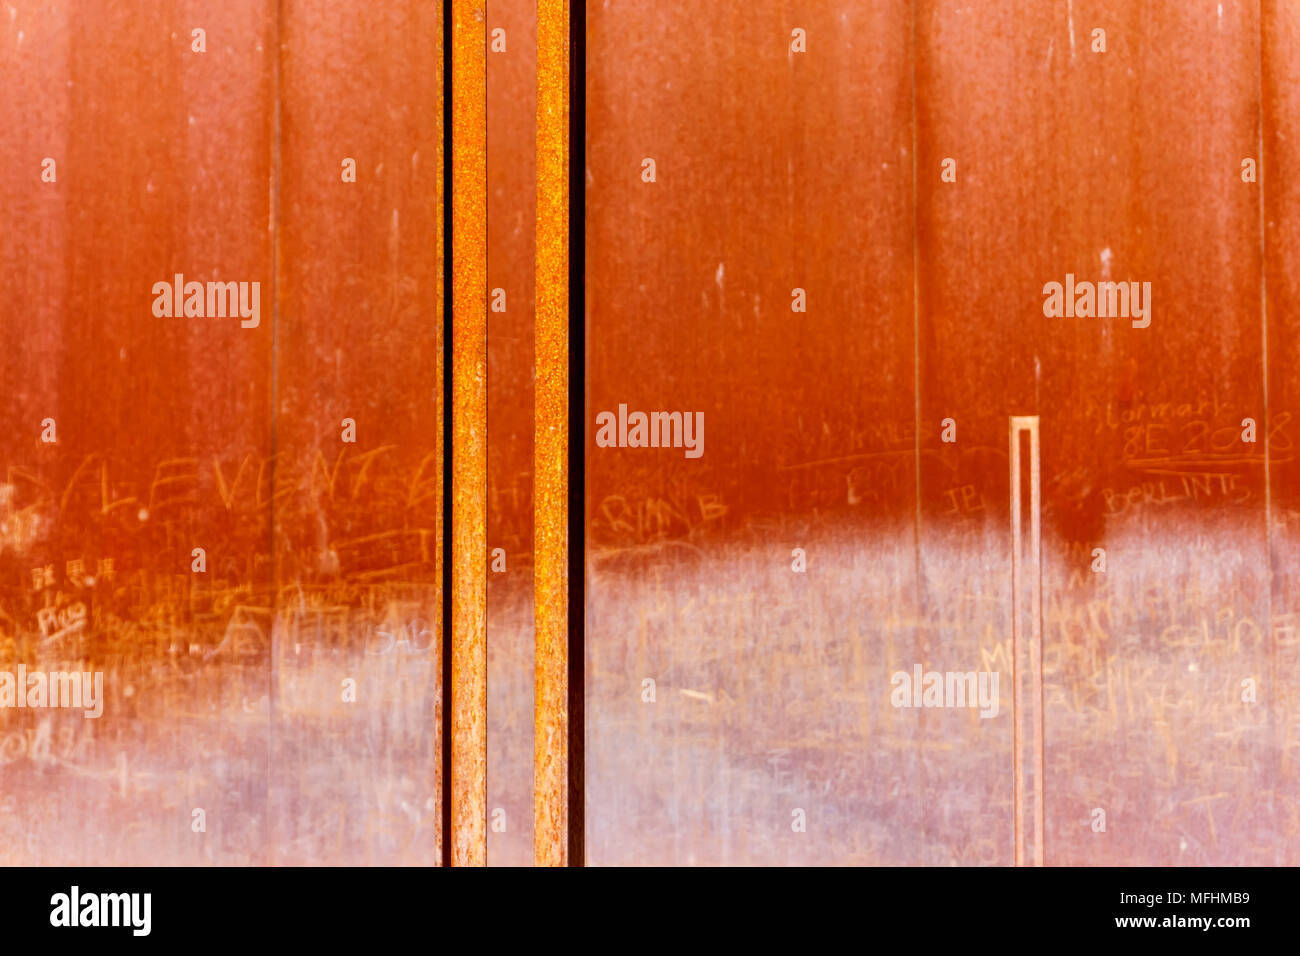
551,755
441,525
469,436
1027,423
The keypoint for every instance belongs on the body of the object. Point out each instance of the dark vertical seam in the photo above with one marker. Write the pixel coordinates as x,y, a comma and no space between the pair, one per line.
446,836
576,511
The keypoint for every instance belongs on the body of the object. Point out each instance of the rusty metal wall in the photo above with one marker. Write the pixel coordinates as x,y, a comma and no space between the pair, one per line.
276,699
783,180
1141,427
358,440
866,438
837,256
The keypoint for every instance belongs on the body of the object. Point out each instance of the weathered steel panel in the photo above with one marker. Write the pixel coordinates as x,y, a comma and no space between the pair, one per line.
512,202
764,279
356,725
137,430
822,242
1078,165
214,429
1044,151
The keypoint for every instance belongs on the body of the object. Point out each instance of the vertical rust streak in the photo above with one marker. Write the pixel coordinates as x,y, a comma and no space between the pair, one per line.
469,437
551,754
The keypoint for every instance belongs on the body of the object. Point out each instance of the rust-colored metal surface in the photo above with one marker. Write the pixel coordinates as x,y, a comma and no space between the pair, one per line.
1280,229
738,708
942,374
551,410
131,438
834,230
1140,423
469,436
358,440
512,200
231,514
